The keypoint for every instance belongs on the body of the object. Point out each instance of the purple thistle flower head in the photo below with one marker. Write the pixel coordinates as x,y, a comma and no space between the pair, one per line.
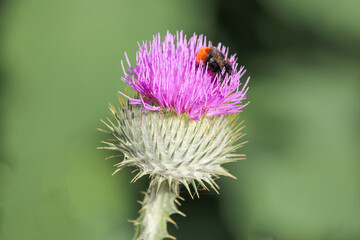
167,76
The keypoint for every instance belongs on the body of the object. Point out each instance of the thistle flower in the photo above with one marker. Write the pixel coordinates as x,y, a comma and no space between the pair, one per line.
167,76
179,127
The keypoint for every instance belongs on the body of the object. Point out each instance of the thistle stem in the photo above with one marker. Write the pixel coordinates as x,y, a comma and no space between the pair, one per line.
158,205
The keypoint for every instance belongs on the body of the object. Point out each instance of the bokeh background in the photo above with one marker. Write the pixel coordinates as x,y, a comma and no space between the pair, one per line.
60,67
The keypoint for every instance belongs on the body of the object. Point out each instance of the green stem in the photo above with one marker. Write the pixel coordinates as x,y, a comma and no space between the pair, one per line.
158,205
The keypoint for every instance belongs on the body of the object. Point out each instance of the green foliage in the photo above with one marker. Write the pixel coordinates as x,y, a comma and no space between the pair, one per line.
337,20
301,179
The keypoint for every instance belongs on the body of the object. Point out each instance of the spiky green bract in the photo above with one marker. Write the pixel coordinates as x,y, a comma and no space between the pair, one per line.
158,205
174,148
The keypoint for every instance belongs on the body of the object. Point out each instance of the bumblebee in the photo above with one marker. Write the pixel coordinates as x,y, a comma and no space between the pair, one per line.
215,60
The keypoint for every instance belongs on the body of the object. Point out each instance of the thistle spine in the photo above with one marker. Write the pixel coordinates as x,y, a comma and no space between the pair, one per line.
158,205
174,151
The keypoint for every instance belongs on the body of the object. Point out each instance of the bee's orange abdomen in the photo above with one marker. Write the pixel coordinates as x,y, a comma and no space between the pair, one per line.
201,55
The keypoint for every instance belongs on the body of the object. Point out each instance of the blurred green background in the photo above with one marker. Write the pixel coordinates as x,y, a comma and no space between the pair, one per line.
60,67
